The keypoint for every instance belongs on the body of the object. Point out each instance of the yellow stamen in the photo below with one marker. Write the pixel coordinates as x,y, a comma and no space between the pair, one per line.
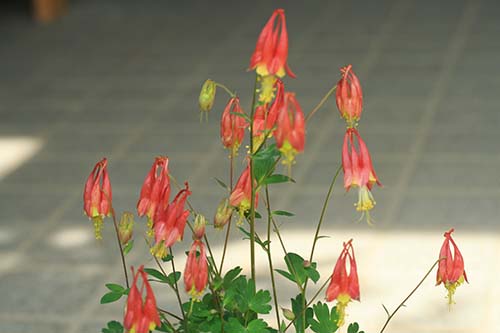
342,302
98,223
150,231
266,91
159,250
452,287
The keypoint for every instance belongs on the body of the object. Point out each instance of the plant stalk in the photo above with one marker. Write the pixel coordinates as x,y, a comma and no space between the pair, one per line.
252,185
120,246
320,104
390,316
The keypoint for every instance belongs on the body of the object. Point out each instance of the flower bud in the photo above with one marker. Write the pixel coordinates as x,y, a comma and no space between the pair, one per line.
288,314
223,214
306,264
207,95
126,227
199,226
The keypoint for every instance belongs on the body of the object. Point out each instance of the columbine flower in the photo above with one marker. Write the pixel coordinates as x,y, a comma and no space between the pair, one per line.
232,129
170,223
290,129
349,96
196,271
141,316
97,196
451,267
223,214
358,171
271,51
155,190
242,194
344,286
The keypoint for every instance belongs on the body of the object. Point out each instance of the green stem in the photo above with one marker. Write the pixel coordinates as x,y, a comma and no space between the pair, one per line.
252,185
226,240
230,93
120,246
321,103
269,257
323,212
176,289
389,317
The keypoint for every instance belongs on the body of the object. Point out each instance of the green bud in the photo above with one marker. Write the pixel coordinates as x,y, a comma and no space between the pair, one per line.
288,314
207,95
126,227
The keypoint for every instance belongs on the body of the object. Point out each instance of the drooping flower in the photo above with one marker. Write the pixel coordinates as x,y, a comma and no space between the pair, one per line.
232,129
196,271
451,272
155,190
223,214
170,223
242,194
344,286
349,96
97,196
141,316
265,116
358,171
271,51
290,130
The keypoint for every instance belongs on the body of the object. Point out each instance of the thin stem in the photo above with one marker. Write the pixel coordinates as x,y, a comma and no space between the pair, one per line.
230,93
252,199
226,240
409,295
323,211
269,257
120,246
320,104
173,315
168,321
176,289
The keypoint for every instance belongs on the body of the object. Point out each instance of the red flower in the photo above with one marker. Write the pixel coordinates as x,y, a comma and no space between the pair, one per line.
451,270
349,96
141,317
271,51
290,129
242,193
170,223
97,196
232,129
344,286
196,271
358,170
155,189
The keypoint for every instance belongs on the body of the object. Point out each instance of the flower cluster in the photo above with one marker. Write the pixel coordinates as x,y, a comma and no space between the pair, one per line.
356,159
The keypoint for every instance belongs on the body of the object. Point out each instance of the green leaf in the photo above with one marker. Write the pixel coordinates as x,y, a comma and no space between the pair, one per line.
157,274
113,327
312,273
110,297
259,241
257,326
276,179
354,328
128,247
230,276
221,183
173,277
298,308
115,288
234,326
264,162
285,274
295,265
259,302
326,320
282,213
167,258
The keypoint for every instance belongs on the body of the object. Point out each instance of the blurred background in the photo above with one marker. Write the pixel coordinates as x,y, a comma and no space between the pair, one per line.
121,79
